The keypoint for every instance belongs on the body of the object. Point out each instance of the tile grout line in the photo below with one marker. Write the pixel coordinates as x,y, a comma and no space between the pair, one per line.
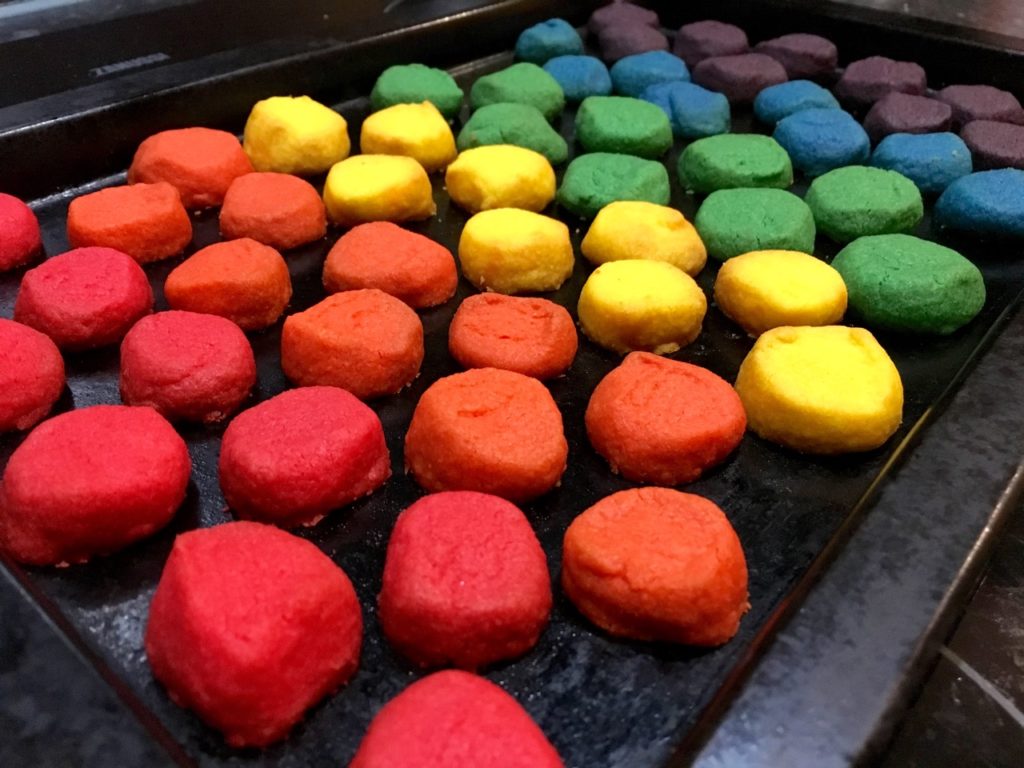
988,688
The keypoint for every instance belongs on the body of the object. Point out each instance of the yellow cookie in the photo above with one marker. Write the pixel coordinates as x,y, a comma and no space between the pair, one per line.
294,134
641,305
509,250
828,389
501,176
378,188
762,290
418,131
630,229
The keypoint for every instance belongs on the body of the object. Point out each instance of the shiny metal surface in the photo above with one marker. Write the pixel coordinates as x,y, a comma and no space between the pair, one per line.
1004,17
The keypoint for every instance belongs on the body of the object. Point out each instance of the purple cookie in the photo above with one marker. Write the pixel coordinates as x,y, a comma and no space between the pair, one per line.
904,113
741,77
866,81
704,39
805,57
994,145
981,102
622,15
618,42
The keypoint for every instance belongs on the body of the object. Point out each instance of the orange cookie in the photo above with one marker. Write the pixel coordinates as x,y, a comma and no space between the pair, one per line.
276,209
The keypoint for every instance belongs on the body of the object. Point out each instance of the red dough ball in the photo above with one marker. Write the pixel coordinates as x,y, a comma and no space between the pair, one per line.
454,719
293,458
535,337
250,627
90,482
487,430
31,378
146,221
490,601
85,298
187,366
200,163
661,421
276,209
20,239
382,255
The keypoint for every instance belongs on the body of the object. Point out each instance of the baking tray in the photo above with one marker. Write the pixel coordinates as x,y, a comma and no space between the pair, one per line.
601,701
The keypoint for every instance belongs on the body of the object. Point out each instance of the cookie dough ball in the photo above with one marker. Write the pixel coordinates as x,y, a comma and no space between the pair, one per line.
856,201
641,305
522,83
513,251
85,298
200,163
452,719
740,77
276,209
294,134
932,161
146,221
907,284
20,239
867,80
658,565
735,221
414,83
418,131
245,281
802,55
531,336
594,180
554,37
632,75
622,14
852,403
623,125
580,76
762,290
732,161
821,140
491,600
662,421
981,102
778,101
985,203
364,341
636,230
618,42
500,176
91,482
694,112
293,458
382,255
32,377
187,366
302,629
487,430
904,113
378,188
701,40
994,145
518,124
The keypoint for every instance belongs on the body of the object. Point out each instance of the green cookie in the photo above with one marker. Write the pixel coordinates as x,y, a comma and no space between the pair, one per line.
522,83
908,284
592,181
856,201
518,124
735,221
624,125
416,83
734,160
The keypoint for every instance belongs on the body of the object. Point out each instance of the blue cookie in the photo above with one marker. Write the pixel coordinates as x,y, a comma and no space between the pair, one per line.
933,161
632,75
778,101
580,76
694,112
554,37
989,202
821,140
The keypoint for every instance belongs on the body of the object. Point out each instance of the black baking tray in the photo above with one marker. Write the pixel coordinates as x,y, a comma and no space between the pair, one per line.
601,701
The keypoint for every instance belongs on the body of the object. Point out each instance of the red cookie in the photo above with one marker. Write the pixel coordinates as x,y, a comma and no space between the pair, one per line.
85,298
491,599
277,209
534,337
661,421
200,163
31,378
90,482
187,366
454,719
20,239
250,627
293,458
